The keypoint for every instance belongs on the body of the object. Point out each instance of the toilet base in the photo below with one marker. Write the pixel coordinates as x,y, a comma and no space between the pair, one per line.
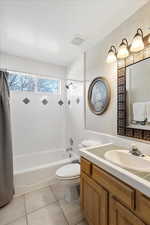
72,193
70,182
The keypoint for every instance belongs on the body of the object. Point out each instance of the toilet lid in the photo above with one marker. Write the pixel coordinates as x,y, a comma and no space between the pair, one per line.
69,170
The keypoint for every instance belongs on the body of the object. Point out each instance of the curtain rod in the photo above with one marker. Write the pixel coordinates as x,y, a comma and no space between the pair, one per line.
16,71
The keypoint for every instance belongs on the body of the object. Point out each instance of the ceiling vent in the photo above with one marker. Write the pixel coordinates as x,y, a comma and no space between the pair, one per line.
77,41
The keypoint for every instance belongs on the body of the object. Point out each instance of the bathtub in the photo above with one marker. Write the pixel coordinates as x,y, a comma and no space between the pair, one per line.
37,170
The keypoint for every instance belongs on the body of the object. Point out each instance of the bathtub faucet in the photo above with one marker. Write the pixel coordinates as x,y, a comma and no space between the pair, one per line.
69,150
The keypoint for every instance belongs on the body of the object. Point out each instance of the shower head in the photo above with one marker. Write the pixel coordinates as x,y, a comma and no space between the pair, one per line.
68,85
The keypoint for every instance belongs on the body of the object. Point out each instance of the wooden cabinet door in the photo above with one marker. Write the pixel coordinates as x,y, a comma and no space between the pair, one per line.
94,201
143,207
119,215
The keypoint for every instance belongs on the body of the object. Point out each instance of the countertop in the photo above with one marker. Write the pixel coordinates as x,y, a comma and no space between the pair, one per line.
138,180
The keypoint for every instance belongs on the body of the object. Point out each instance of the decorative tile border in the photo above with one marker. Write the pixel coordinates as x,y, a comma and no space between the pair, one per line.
60,102
26,101
78,100
44,101
121,94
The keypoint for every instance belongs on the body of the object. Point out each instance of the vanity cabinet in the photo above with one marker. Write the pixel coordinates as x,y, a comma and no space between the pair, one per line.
94,201
106,200
143,207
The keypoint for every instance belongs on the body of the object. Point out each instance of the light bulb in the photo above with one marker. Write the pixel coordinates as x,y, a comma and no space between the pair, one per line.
111,57
123,51
137,43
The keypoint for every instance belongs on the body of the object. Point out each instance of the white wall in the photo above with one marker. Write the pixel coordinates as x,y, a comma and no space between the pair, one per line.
36,127
26,65
75,71
96,66
74,111
103,128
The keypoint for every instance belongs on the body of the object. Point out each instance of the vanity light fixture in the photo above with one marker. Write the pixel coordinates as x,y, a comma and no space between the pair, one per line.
149,39
111,57
137,43
123,51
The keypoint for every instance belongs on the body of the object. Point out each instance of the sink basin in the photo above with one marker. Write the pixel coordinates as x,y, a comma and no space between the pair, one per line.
125,159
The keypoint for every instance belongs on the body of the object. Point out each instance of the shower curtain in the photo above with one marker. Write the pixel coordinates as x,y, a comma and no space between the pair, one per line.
6,162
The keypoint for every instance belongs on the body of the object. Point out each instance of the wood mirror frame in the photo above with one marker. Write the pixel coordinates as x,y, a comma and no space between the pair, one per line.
122,129
105,82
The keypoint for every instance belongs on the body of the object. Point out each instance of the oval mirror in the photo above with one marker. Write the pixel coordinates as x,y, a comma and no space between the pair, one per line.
99,95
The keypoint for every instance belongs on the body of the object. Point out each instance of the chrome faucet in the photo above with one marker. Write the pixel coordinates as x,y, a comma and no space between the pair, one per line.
135,151
69,150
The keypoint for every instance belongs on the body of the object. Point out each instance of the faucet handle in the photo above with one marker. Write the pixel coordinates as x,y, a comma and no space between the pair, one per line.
135,151
69,149
133,146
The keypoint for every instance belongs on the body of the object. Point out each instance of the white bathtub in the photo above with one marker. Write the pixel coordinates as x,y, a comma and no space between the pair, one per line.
37,170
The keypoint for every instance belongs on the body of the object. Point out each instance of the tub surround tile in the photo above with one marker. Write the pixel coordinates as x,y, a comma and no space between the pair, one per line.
50,215
26,100
38,199
72,211
21,221
13,211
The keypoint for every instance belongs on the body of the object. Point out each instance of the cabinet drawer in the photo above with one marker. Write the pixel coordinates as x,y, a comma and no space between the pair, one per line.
86,166
143,207
121,191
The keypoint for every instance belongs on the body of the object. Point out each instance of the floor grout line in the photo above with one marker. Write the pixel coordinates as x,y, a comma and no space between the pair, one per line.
56,201
59,204
63,213
25,204
27,220
25,210
50,186
45,206
14,220
51,189
62,207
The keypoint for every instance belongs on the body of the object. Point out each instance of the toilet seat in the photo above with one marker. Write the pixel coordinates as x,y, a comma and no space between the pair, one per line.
69,171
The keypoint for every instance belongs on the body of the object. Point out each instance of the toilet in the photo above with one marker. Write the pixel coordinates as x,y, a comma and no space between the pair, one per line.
69,175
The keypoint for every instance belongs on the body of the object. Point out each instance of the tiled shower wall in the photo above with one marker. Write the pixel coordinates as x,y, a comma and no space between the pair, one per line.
75,110
75,113
35,126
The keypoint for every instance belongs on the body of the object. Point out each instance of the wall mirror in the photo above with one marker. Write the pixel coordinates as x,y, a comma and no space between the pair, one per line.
133,102
98,95
138,95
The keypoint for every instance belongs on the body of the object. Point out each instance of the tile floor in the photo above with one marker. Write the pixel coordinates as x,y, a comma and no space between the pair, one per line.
42,207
